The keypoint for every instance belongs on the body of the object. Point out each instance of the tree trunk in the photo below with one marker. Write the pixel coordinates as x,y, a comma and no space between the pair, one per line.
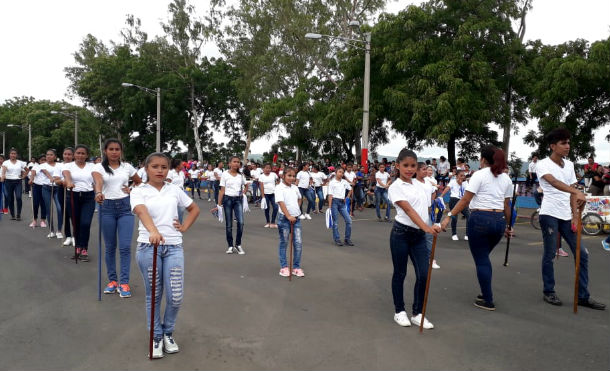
508,101
358,146
248,142
451,150
195,124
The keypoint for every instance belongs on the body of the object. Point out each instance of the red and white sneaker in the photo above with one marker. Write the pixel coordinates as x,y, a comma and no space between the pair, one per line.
298,272
562,252
285,272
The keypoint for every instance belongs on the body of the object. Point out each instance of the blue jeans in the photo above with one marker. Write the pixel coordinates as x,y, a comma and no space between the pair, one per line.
38,202
84,205
195,184
271,205
170,275
255,190
216,186
283,225
311,202
454,218
381,194
320,193
550,226
233,205
210,188
12,191
338,207
117,223
358,196
485,230
46,196
63,203
407,242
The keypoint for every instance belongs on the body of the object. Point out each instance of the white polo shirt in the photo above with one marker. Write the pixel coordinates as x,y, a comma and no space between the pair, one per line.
457,190
318,178
142,174
349,176
290,197
430,189
337,188
177,178
233,184
443,167
256,173
163,209
531,168
489,190
58,170
269,182
50,169
13,170
82,178
303,179
194,174
383,177
555,203
39,177
114,183
415,194
217,172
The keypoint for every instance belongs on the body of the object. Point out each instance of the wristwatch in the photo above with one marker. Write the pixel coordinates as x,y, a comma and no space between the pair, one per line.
449,214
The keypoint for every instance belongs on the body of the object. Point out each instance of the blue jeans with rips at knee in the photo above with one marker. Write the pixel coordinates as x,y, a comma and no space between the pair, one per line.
283,225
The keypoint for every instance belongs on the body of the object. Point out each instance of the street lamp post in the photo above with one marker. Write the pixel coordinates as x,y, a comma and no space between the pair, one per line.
75,117
364,155
156,92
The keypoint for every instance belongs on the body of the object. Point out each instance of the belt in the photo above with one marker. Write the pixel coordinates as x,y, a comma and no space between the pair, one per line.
489,210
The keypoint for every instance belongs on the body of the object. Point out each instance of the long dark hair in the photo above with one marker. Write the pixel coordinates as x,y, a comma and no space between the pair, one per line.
105,162
496,159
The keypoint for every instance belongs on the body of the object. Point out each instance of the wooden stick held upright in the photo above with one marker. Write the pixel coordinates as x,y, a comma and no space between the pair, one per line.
290,253
510,222
577,258
73,219
63,218
153,298
423,312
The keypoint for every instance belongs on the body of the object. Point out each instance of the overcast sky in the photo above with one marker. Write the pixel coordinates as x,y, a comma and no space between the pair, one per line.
40,36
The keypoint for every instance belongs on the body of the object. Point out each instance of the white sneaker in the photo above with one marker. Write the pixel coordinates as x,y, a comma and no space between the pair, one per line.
68,241
465,238
240,251
308,216
267,225
434,265
51,235
302,216
157,349
417,321
455,237
229,250
59,235
402,319
169,344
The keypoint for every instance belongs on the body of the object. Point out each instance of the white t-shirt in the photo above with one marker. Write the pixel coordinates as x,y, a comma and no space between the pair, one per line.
430,189
432,180
194,174
114,183
555,203
58,171
209,174
349,176
256,173
489,190
303,179
290,197
217,172
39,177
142,174
50,169
163,209
531,168
177,178
269,182
13,171
318,178
443,168
337,188
82,178
415,194
457,190
383,177
233,184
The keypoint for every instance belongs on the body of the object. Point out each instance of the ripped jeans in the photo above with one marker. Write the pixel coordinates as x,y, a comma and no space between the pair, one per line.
284,230
170,267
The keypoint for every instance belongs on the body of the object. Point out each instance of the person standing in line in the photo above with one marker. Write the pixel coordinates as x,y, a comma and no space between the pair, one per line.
194,182
422,172
177,177
255,173
304,183
111,179
37,180
13,173
319,179
383,181
230,198
559,214
350,176
531,172
156,203
488,193
210,179
68,157
79,181
49,188
288,198
408,239
268,181
458,187
218,171
359,197
337,188
28,185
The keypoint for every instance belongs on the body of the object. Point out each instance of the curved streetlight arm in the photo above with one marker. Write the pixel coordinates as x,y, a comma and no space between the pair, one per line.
148,90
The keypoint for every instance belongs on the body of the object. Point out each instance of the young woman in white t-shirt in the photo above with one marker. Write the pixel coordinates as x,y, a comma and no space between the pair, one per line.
176,177
13,172
156,205
289,200
488,194
383,181
457,186
319,180
217,175
81,205
194,181
68,157
408,238
210,179
230,198
268,180
304,182
37,180
50,193
337,189
112,179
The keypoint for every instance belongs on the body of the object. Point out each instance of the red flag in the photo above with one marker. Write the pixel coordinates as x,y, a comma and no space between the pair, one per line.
275,158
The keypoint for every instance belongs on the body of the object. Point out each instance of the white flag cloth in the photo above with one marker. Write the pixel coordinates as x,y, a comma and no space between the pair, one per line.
264,203
244,201
329,219
221,215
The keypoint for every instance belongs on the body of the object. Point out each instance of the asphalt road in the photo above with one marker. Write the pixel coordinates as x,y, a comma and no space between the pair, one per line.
238,314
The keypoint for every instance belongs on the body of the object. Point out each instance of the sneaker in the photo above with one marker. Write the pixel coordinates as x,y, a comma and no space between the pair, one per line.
13,218
209,199
157,348
308,216
605,245
349,243
480,303
267,225
417,321
33,225
111,287
124,290
169,344
379,219
302,216
552,299
77,253
455,237
434,265
590,303
285,272
562,252
240,250
5,211
402,319
298,272
51,235
387,219
338,243
59,235
465,238
229,250
84,255
274,226
315,211
43,224
18,218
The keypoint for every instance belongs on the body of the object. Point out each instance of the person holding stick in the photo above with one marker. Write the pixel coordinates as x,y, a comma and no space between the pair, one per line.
421,174
268,181
12,175
408,238
338,190
487,194
289,199
156,204
68,157
37,180
558,214
457,186
50,194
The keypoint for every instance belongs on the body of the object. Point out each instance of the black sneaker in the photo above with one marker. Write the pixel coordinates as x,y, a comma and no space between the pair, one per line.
590,303
338,243
552,299
13,218
387,219
480,303
18,217
349,243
